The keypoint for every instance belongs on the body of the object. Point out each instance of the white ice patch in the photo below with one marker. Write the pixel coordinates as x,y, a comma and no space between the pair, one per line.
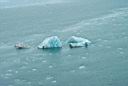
78,42
75,39
51,42
50,66
49,77
81,67
34,69
83,57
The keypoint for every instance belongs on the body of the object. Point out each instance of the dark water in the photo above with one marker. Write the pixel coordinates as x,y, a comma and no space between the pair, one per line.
103,63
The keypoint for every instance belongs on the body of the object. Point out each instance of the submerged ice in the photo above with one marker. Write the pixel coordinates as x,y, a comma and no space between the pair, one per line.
51,42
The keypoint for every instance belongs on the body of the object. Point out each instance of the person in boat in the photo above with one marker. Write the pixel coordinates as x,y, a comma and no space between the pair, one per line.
86,44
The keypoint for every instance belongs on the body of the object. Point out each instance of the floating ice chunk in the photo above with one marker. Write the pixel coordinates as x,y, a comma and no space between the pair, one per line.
49,78
83,57
51,42
75,39
34,69
22,46
78,42
82,67
54,81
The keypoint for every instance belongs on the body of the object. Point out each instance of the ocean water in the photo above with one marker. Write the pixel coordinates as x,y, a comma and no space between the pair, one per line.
103,63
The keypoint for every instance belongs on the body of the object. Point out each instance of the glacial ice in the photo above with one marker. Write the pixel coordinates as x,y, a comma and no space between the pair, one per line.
50,42
75,39
78,42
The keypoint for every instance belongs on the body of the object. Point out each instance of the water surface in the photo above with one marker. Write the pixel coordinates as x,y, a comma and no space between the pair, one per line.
103,63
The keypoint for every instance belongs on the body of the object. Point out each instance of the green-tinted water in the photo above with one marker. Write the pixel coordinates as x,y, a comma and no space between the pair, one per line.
103,63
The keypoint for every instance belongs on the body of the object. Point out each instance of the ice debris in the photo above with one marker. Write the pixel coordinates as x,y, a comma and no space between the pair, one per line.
21,46
78,42
50,42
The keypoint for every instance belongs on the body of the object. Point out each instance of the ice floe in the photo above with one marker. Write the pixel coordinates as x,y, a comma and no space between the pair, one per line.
82,67
50,42
78,42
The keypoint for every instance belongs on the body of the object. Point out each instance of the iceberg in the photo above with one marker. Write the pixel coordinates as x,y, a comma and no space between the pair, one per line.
75,39
78,42
50,42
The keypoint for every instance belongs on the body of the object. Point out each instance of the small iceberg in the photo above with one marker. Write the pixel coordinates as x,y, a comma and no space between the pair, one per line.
50,42
21,46
75,42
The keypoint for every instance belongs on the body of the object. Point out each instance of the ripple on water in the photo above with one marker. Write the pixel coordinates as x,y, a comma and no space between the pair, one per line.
16,72
99,39
25,63
78,33
44,61
9,70
81,67
54,81
17,81
40,83
49,77
50,66
120,48
100,45
105,41
69,55
73,71
83,57
108,47
10,85
121,52
8,74
23,67
50,54
34,69
29,83
123,33
126,37
1,75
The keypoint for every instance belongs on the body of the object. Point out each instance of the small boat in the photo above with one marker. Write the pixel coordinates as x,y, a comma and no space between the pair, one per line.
21,46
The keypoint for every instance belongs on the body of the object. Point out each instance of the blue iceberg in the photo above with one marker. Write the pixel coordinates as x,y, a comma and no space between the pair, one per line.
50,42
78,42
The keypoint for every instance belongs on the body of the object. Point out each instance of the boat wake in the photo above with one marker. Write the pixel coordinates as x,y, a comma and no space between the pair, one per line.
26,3
113,16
